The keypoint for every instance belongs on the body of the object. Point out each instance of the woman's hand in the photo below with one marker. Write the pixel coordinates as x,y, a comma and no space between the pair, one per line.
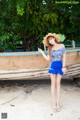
40,50
47,57
64,70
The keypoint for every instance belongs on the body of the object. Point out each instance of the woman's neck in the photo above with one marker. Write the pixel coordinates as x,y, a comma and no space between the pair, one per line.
55,45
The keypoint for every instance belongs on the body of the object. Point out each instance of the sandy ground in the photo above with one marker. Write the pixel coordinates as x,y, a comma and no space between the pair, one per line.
31,100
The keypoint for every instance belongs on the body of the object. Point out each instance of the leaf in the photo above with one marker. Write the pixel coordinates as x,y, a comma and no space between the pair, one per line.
61,37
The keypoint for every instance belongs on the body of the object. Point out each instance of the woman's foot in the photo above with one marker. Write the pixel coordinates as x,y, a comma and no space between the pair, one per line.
54,107
59,107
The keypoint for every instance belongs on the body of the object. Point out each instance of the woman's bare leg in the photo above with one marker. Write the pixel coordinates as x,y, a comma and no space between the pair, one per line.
58,89
53,89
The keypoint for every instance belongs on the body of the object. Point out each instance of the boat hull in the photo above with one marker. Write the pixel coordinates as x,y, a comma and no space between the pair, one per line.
32,65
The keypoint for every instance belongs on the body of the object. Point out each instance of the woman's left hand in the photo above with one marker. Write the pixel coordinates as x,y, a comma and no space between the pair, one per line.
64,70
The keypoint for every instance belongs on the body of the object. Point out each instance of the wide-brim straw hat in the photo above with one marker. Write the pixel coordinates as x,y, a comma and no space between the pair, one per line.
56,36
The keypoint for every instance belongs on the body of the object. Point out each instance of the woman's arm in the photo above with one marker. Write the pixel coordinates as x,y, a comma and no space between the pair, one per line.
64,63
64,56
47,57
64,59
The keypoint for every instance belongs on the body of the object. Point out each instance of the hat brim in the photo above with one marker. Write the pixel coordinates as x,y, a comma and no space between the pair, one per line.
45,42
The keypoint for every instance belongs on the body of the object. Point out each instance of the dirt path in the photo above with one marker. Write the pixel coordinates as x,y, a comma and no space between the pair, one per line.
26,100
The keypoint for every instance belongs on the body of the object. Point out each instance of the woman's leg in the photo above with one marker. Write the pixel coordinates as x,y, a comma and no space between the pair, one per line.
58,89
53,89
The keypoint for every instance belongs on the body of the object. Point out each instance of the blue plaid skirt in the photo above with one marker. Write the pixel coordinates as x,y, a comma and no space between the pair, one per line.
55,67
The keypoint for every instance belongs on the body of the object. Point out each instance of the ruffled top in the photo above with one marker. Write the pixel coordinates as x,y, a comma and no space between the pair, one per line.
57,54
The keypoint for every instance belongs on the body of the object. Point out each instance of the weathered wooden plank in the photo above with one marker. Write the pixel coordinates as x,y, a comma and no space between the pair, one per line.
72,67
34,66
37,74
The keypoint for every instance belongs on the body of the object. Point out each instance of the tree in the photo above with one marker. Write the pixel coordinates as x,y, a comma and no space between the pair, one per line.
29,21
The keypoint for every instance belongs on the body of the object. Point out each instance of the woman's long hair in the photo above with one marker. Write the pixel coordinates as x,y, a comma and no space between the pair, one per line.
49,45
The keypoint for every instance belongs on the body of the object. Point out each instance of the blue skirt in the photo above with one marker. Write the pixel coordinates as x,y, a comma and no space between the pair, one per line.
55,67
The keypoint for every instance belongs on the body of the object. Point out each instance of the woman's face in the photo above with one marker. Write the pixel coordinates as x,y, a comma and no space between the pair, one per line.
51,40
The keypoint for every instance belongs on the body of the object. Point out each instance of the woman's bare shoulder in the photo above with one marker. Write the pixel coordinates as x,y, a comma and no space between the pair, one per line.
62,45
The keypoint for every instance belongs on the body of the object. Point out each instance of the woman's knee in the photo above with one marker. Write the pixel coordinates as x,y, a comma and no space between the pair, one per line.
58,80
53,82
53,79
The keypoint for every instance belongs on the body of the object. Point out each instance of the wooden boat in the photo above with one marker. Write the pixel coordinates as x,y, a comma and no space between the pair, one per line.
32,65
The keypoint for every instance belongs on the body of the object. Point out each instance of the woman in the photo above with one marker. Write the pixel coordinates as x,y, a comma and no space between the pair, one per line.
57,58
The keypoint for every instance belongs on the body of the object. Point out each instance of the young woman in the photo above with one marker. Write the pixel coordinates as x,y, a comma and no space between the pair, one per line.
57,58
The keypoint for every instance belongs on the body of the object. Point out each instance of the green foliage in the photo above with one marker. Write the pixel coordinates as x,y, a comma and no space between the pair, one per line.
8,41
30,20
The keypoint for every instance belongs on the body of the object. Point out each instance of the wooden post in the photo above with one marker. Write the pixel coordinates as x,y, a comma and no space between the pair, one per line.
73,44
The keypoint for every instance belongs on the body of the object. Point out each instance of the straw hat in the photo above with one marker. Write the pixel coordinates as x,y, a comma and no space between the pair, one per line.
50,35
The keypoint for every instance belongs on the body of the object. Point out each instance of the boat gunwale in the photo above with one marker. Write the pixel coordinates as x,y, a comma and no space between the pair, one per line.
31,53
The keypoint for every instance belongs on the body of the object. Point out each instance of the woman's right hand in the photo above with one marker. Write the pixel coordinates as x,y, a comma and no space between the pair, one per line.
47,57
40,50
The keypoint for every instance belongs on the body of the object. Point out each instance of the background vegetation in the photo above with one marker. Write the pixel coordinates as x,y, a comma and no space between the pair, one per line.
26,22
